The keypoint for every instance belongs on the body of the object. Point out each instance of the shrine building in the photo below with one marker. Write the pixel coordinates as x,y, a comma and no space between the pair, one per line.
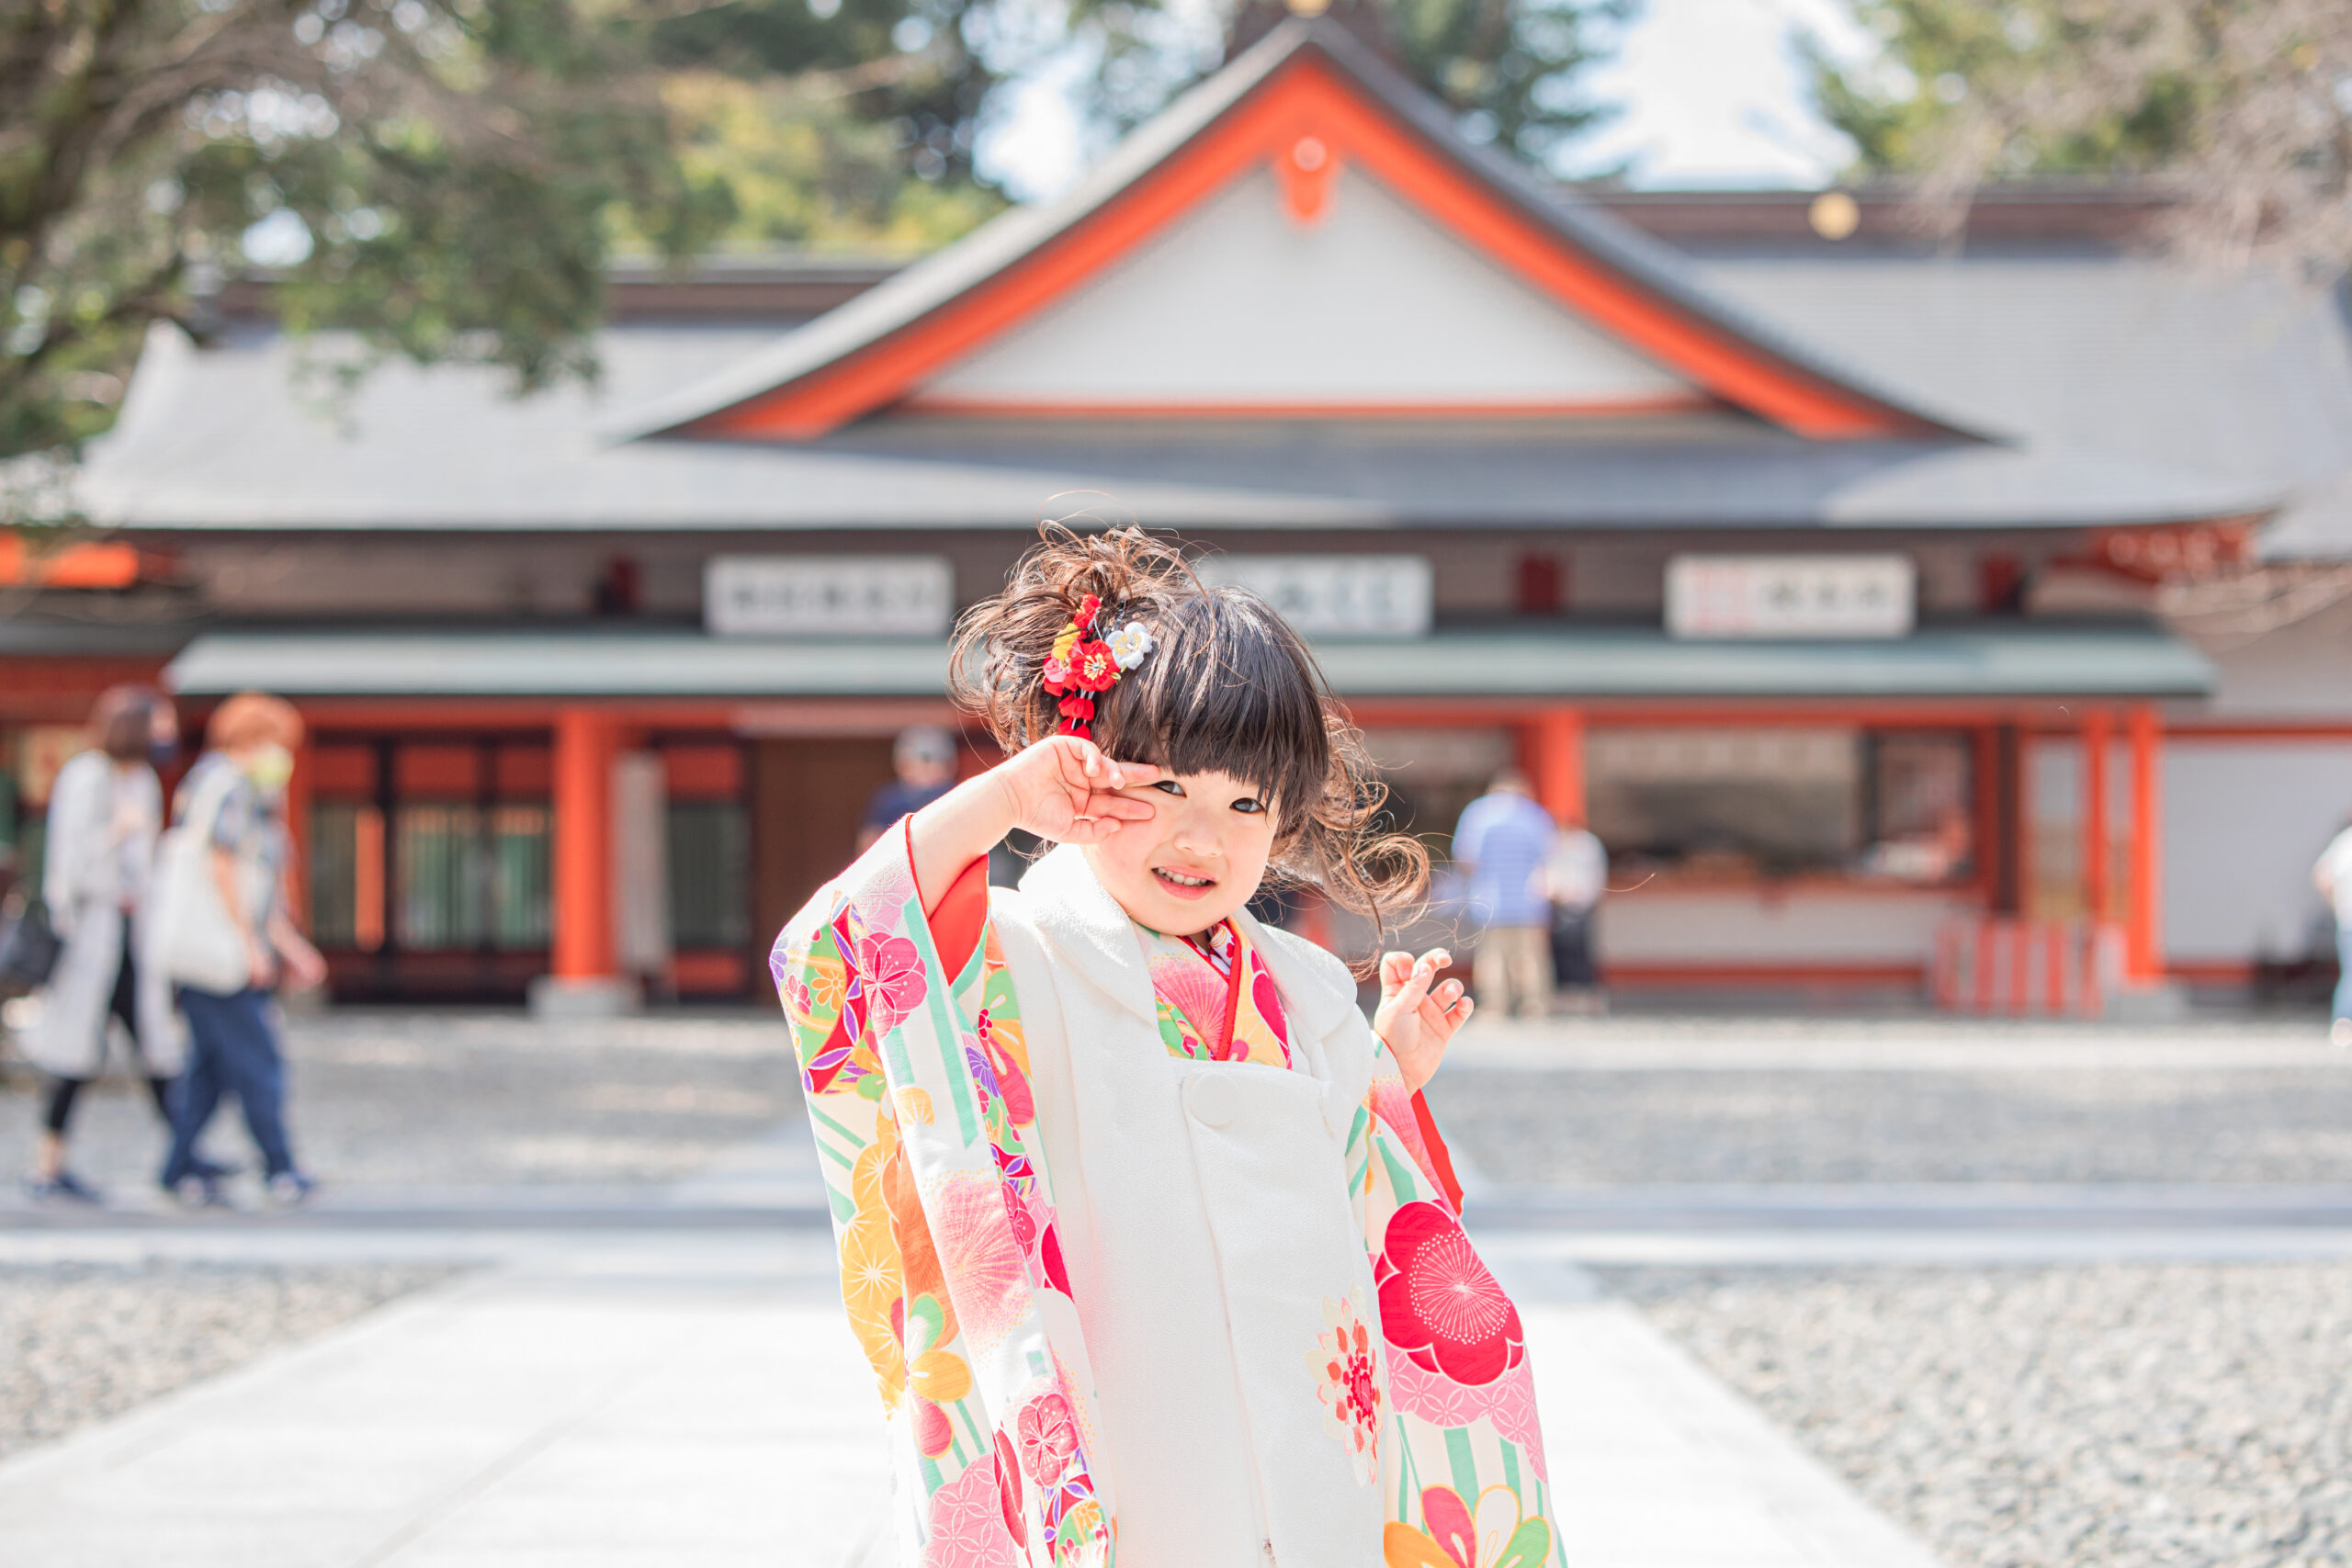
1907,620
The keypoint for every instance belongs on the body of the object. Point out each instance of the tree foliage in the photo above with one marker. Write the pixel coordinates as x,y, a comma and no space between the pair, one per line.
436,174
449,178
1510,69
2241,107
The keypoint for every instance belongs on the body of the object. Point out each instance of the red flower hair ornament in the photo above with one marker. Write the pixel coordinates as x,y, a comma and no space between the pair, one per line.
1083,664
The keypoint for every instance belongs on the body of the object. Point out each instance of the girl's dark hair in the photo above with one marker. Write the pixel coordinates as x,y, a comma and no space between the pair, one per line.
1228,687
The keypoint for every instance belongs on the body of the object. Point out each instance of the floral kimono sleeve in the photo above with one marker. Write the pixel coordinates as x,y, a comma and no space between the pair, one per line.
916,1077
1462,1455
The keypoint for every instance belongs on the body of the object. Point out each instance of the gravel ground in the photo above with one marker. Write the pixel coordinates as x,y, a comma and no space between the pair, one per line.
79,1343
2182,1417
458,1099
2145,1123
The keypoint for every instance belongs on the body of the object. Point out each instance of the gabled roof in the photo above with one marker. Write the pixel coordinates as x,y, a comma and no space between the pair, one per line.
1304,101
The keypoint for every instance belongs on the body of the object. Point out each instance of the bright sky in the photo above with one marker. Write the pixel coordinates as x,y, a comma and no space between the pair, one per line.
1713,94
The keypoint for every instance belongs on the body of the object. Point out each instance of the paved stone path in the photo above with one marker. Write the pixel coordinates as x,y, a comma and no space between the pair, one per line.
618,1402
674,1394
634,1374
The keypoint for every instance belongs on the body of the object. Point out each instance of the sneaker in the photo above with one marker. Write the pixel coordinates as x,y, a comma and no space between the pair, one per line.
2339,1034
199,1192
63,1187
290,1189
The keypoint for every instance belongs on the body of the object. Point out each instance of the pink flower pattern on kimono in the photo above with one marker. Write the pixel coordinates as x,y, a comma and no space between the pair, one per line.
967,1524
890,970
1048,1437
978,1251
1509,1401
1438,1301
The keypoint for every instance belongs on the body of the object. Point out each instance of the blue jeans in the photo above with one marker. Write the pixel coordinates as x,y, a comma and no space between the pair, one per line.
2344,971
232,1049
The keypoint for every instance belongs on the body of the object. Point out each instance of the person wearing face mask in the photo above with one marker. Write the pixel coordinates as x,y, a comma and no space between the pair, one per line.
235,799
104,811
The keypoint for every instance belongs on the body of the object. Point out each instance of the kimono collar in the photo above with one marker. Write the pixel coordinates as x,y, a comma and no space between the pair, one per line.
1317,991
1073,909
1075,912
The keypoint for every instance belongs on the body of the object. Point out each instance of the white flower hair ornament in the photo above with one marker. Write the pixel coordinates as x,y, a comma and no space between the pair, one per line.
1130,645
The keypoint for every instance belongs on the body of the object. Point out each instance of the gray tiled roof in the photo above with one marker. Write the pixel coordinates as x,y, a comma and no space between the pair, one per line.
2241,378
227,438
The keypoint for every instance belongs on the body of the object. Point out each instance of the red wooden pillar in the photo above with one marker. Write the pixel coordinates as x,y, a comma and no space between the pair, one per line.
2096,733
2143,943
298,833
582,890
1554,749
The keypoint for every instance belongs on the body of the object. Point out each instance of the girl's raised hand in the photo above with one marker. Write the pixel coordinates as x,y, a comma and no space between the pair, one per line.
1065,789
1417,1019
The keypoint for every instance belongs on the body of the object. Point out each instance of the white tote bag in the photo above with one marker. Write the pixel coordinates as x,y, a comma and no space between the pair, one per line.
192,940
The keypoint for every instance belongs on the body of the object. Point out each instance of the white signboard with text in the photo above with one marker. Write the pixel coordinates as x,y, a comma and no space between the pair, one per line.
1790,596
827,595
1366,596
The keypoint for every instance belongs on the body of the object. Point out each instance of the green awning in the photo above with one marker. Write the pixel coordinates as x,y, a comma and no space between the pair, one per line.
1980,660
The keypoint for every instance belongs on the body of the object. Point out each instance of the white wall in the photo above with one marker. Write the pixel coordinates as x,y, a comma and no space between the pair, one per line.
1803,926
1237,302
2244,820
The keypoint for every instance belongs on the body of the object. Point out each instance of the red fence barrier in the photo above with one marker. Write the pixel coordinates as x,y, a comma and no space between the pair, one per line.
2027,968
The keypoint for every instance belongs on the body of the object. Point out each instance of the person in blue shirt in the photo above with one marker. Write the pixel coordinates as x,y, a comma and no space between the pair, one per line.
1500,847
924,759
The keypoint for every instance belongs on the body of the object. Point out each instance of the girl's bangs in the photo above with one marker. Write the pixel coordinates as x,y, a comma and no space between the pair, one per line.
1227,690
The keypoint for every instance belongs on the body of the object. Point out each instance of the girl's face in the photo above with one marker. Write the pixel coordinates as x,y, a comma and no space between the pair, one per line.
1198,859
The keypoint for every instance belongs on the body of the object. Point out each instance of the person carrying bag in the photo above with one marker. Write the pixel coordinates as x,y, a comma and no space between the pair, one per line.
104,809
222,932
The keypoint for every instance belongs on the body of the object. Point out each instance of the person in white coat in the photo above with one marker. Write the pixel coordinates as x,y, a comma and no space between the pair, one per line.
104,811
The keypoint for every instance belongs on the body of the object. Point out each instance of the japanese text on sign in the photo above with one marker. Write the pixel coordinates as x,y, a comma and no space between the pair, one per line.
1790,596
827,595
1367,597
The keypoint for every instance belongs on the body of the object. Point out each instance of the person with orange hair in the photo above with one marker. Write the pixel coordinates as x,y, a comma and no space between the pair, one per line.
232,804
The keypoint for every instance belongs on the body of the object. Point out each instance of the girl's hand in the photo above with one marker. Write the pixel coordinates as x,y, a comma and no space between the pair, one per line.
1062,788
1065,789
1415,1019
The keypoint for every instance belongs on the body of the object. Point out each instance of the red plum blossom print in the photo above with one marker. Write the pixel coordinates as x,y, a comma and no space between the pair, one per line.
1437,1302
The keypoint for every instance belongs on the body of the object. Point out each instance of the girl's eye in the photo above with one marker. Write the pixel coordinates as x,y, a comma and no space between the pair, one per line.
1170,785
1246,804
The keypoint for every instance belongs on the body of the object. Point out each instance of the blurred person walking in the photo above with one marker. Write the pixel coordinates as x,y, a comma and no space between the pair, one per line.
1575,873
105,814
225,934
2332,875
924,759
1500,847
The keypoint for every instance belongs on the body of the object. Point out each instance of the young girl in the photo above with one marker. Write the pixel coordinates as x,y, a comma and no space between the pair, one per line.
1149,1238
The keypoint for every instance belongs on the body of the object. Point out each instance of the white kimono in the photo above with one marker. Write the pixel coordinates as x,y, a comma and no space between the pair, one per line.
1122,1300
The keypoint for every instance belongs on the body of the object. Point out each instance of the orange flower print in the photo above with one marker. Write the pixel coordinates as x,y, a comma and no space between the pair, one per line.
873,1280
1346,1360
933,1371
1452,1536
